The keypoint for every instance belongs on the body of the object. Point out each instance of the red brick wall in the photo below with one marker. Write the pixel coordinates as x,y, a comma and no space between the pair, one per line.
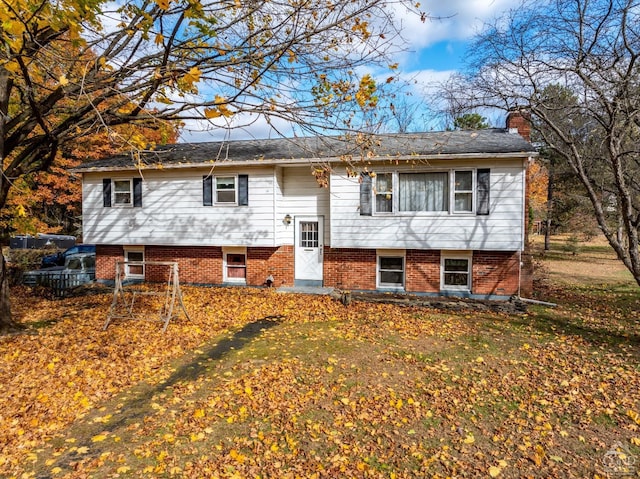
197,264
495,272
278,262
350,268
106,258
422,271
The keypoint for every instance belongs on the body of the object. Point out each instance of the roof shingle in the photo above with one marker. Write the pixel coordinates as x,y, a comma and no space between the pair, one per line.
385,146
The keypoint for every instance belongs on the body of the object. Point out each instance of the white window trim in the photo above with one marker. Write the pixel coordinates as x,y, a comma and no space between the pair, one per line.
452,190
133,249
394,181
114,192
451,210
226,250
394,253
215,191
445,255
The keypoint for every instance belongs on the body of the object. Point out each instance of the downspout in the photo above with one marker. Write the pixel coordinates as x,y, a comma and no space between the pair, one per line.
523,239
276,186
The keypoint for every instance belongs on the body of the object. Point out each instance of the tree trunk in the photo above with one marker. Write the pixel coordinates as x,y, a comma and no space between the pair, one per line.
548,220
6,320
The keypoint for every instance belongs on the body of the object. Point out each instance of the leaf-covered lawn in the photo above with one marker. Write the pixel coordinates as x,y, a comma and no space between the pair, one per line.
263,384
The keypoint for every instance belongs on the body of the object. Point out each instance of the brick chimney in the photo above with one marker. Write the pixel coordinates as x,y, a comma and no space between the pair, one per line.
519,121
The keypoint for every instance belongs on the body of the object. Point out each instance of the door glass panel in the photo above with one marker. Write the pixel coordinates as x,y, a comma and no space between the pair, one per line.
309,234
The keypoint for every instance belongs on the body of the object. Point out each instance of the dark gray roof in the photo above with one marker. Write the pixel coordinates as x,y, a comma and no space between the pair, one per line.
386,146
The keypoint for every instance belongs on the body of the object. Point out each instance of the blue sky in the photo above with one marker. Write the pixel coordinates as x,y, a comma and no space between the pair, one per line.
434,51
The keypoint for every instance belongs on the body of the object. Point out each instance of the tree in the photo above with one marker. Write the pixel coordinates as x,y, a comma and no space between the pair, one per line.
50,201
68,69
470,121
574,65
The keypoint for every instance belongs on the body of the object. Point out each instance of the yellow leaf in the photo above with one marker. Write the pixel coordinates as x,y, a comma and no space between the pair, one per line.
159,39
56,470
198,413
82,450
123,469
98,438
494,471
63,80
212,113
163,4
635,441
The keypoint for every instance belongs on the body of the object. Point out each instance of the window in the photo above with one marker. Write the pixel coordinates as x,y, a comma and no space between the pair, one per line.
235,265
126,192
134,257
424,191
122,192
446,192
225,189
383,192
456,272
390,270
463,192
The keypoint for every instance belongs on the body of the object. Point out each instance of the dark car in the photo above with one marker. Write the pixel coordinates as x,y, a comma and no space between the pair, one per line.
59,259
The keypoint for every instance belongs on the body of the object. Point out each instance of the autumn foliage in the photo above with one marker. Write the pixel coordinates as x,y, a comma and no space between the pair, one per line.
50,201
262,384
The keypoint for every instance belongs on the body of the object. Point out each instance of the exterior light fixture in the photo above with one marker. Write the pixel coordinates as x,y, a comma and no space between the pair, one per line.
287,220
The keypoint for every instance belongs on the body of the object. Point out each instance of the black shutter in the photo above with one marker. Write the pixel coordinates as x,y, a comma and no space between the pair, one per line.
207,190
484,184
106,192
137,192
243,190
366,206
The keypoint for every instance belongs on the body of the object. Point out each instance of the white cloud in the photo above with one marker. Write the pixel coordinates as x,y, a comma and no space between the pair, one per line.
451,20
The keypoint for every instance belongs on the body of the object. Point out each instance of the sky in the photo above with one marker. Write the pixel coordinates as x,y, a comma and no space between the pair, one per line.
435,49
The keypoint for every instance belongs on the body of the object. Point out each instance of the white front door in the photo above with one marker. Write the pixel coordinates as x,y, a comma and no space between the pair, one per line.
309,250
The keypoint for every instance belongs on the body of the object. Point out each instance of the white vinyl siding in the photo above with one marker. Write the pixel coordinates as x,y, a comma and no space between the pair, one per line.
501,230
173,213
301,196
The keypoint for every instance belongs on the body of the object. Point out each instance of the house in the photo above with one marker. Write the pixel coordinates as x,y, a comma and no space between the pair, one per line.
426,213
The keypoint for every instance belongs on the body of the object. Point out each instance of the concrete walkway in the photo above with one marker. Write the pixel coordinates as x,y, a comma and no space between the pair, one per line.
305,290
